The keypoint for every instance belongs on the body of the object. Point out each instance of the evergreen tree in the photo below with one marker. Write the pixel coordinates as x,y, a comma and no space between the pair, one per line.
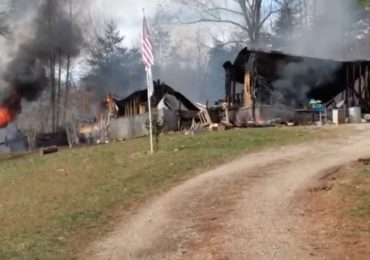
218,55
161,38
286,22
113,69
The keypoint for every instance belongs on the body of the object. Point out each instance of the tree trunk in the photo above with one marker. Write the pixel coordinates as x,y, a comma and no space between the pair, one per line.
59,89
252,17
67,86
52,64
66,94
52,94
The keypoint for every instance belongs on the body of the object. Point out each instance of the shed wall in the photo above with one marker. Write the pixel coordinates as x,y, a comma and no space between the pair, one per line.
132,127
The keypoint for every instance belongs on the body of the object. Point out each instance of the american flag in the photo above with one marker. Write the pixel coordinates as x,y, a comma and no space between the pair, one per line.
146,48
148,59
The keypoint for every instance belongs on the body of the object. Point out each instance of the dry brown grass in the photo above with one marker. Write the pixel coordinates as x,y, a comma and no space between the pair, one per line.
337,213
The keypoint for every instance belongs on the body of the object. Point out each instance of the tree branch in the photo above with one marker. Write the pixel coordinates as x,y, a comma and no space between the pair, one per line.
267,17
209,20
271,12
226,10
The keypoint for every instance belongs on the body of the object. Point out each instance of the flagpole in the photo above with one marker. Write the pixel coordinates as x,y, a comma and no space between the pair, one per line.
149,61
148,82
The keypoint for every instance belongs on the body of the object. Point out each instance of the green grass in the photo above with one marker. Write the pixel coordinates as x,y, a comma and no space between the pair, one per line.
51,206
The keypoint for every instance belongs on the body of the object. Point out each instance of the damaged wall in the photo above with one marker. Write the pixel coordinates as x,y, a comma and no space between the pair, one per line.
279,78
136,126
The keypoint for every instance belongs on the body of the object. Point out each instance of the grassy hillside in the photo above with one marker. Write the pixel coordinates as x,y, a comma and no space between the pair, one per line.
51,206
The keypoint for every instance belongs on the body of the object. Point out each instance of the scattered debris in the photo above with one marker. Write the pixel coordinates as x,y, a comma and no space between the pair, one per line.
324,187
330,173
48,150
365,161
367,117
194,128
214,127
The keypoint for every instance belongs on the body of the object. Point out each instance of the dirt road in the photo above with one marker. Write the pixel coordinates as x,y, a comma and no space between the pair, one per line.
242,210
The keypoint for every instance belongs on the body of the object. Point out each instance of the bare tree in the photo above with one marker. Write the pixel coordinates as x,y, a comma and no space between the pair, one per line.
72,131
247,15
30,125
200,53
200,56
303,13
68,68
78,111
160,32
31,134
66,39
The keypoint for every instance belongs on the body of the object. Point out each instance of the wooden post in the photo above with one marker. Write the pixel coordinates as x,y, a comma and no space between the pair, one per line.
347,87
247,90
228,71
136,106
367,83
132,107
253,89
179,117
233,89
353,84
360,87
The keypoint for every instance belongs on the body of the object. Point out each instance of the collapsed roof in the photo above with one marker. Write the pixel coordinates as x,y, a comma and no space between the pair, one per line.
316,78
160,91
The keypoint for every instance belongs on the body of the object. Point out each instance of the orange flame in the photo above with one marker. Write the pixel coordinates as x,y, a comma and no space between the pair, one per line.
9,109
5,117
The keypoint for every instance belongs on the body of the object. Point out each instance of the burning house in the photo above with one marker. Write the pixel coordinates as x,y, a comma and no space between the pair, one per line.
128,118
164,97
52,37
265,85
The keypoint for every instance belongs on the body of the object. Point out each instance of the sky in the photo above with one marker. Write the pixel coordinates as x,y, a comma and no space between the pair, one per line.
128,15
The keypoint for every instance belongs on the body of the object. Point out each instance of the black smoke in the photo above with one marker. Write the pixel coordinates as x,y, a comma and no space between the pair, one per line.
53,35
307,78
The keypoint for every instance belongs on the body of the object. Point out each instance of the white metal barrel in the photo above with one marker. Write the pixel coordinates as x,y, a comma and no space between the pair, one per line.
355,115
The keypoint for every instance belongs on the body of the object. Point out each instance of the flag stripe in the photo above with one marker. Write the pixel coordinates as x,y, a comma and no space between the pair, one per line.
148,57
146,48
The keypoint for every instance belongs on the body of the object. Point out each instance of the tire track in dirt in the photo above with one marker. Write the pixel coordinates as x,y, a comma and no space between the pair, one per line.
241,210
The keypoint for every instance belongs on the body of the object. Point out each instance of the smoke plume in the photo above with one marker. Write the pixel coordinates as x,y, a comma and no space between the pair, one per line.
26,75
327,31
329,35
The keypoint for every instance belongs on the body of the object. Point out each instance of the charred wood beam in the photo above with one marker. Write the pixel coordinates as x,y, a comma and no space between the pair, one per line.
360,89
366,85
347,86
234,89
353,84
228,70
356,94
48,150
253,90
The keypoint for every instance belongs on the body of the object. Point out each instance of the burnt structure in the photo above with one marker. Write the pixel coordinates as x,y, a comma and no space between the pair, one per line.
137,102
273,78
128,118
